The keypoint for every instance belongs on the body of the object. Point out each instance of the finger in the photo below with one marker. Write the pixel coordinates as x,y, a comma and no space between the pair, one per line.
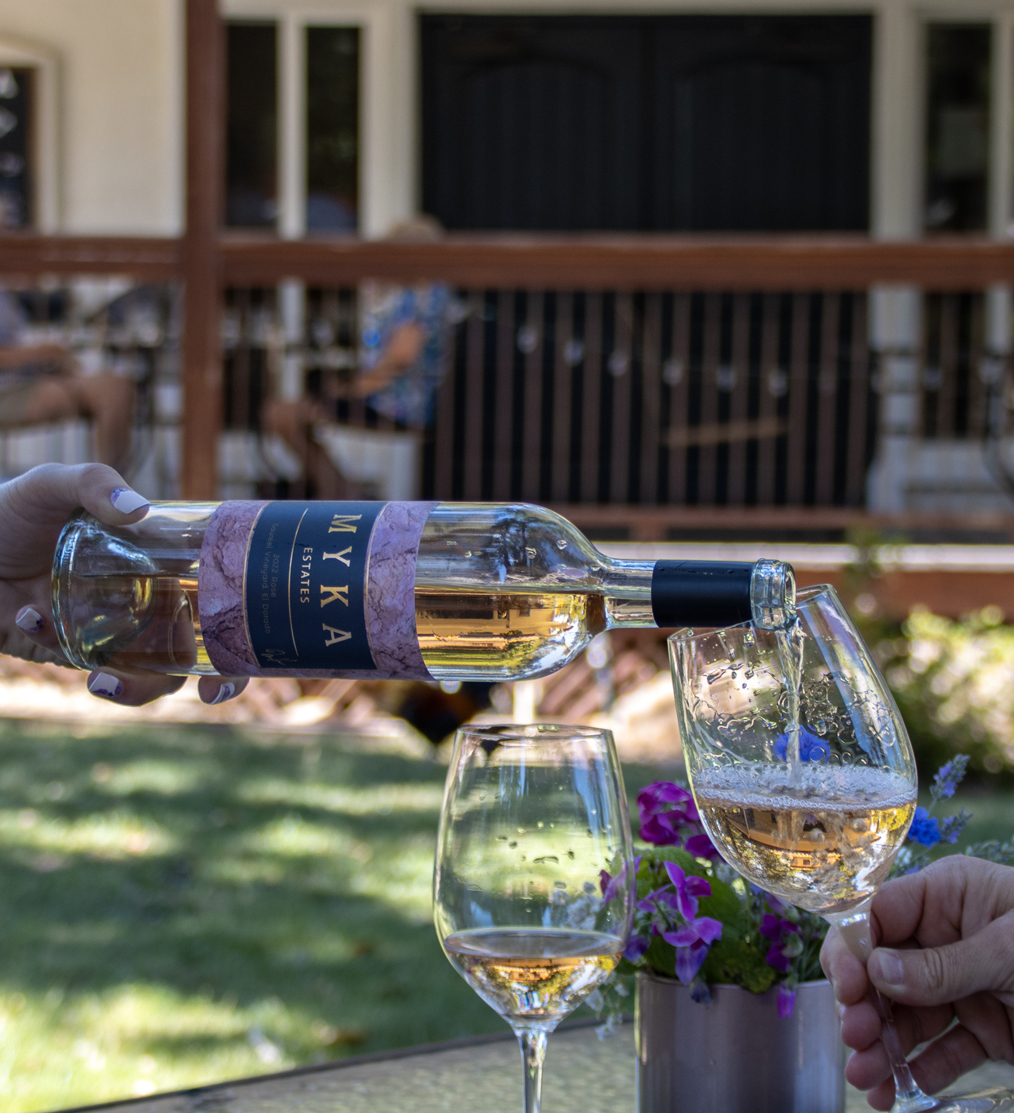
947,1059
55,490
936,975
132,691
38,628
218,689
860,1025
844,971
869,1066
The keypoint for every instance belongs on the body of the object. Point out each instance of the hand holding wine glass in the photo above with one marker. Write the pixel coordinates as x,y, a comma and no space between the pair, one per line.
533,883
805,779
950,928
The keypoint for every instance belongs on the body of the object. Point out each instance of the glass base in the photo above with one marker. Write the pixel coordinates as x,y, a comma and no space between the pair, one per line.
979,1101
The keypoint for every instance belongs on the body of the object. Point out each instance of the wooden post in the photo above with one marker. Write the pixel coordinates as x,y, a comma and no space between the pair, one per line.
202,305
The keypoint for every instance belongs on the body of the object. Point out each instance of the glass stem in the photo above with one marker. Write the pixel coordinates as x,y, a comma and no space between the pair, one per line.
533,1052
854,926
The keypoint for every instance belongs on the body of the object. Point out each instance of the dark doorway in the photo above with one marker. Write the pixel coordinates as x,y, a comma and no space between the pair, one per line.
650,123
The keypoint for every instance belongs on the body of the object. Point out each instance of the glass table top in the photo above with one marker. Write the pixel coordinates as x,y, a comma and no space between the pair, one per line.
583,1075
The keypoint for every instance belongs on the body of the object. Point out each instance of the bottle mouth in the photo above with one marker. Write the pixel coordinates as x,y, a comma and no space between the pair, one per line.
773,595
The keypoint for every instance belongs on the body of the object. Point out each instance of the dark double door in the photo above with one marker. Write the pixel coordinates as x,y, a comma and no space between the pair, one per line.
646,123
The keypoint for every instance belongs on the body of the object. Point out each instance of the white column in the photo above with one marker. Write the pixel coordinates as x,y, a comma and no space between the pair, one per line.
291,127
896,214
388,90
896,334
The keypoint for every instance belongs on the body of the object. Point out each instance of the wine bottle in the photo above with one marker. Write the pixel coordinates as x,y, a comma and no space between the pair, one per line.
409,590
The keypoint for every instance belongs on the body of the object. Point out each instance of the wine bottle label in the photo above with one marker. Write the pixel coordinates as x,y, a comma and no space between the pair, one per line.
312,589
305,586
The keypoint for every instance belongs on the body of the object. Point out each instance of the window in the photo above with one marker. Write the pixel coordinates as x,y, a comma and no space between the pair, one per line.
16,183
957,127
332,129
650,123
322,77
251,144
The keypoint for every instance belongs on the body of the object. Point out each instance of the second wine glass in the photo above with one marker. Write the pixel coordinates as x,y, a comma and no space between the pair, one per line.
804,777
533,882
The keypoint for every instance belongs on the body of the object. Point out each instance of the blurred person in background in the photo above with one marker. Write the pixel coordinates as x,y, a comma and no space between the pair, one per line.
42,383
401,362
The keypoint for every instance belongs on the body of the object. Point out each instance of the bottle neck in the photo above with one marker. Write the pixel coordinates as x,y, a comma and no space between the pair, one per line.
627,592
674,593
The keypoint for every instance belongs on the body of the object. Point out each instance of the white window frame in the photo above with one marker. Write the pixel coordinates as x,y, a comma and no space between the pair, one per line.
44,142
386,100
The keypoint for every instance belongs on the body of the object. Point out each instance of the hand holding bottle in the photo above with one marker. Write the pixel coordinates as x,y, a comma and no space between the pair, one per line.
33,510
945,952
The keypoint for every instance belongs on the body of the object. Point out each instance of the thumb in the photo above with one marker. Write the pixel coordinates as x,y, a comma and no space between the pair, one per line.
940,975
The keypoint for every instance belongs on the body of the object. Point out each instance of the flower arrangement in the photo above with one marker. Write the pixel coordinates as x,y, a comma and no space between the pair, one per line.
697,920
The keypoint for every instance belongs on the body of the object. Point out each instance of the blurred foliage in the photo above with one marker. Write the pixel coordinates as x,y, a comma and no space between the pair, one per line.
954,683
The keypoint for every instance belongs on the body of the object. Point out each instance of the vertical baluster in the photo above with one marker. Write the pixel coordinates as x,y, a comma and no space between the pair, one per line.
531,463
678,372
443,422
773,375
947,397
799,386
505,348
562,394
740,397
473,403
859,393
707,453
591,397
651,410
621,373
827,399
977,395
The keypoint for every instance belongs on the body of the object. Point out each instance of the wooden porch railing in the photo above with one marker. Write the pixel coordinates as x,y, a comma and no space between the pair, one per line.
659,272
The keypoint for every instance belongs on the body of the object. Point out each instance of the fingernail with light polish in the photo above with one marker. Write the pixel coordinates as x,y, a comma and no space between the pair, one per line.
102,684
29,620
127,501
227,691
892,969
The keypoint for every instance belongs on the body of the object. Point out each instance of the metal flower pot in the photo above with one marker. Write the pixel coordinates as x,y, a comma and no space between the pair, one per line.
736,1055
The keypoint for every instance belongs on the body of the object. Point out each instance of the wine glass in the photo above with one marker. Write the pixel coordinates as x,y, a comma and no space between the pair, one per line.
533,886
805,779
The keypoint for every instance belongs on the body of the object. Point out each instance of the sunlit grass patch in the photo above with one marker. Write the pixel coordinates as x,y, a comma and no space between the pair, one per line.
109,835
181,906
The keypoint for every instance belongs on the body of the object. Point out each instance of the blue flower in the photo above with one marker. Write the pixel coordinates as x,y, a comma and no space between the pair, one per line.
811,747
953,825
925,829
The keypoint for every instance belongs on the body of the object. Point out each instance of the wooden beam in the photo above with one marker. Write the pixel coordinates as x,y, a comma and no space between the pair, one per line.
29,257
641,262
202,305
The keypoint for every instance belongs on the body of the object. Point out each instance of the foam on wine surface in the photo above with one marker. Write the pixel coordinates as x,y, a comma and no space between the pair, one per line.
535,975
820,837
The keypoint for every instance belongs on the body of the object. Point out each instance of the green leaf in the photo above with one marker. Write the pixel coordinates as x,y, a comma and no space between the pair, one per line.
737,962
725,906
660,957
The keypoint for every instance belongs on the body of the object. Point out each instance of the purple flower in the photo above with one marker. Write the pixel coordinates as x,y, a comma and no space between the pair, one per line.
784,944
692,944
786,1000
953,825
688,890
925,829
949,776
664,808
611,885
636,946
811,747
701,846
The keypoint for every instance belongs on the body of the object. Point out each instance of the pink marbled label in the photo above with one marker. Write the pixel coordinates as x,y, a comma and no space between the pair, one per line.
389,595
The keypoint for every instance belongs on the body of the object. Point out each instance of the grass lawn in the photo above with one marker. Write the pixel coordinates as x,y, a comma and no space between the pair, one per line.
185,905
